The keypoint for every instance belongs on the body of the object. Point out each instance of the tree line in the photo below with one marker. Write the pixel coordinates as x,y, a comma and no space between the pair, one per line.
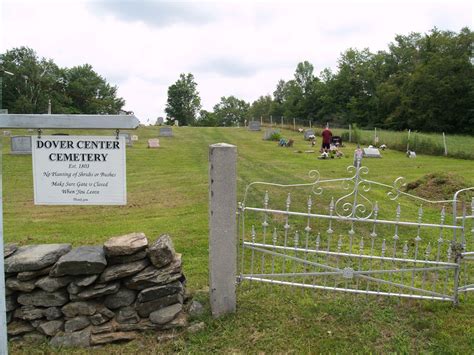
35,81
423,82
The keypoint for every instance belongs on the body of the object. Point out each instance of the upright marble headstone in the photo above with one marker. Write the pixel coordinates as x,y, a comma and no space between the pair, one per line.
159,121
128,138
6,133
21,145
134,138
254,126
166,132
371,153
269,133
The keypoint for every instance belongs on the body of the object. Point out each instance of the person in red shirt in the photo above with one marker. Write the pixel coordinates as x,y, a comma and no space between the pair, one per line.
327,135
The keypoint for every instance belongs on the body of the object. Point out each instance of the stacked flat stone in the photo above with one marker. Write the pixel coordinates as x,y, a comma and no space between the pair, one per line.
92,295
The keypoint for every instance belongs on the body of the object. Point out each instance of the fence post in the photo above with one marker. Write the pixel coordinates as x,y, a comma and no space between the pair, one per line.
281,121
294,124
261,120
309,123
350,133
222,228
408,141
445,146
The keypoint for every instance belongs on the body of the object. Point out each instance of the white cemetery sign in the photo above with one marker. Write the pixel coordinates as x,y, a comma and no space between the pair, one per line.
54,122
79,170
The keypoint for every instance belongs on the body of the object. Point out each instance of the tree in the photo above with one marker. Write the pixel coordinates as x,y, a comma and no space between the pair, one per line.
90,93
36,81
184,102
230,111
262,107
33,82
206,119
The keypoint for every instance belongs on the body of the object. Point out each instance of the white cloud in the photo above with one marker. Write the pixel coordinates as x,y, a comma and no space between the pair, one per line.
232,48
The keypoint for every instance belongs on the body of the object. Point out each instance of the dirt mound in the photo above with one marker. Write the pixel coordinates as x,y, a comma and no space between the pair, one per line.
437,186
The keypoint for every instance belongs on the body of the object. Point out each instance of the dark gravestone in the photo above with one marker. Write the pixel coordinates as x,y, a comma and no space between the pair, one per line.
166,132
308,133
21,145
336,140
254,126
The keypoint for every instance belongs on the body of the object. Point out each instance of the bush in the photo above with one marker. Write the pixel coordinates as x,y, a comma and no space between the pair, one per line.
275,136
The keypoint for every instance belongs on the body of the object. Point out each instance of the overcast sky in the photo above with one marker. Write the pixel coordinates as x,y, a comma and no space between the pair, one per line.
239,48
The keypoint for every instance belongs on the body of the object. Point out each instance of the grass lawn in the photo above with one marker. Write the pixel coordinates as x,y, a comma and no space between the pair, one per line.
167,193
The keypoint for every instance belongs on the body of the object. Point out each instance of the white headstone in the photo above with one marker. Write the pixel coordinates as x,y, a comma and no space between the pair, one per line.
154,143
159,121
371,153
134,138
6,133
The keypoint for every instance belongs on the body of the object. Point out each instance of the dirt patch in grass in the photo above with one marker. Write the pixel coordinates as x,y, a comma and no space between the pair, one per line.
437,186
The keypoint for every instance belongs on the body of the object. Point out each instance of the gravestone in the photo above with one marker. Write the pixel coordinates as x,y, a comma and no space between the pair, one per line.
336,140
134,138
269,133
21,145
308,133
128,139
6,133
254,126
159,121
371,153
358,155
166,132
154,143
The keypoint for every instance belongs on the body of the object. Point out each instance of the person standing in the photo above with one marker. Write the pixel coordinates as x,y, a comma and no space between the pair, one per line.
327,135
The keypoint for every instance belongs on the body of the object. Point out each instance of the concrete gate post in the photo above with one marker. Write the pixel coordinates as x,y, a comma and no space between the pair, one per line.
222,227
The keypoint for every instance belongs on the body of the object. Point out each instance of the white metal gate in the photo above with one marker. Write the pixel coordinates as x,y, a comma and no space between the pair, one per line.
356,235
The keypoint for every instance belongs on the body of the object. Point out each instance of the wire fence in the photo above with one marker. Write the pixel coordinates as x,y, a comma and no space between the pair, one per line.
441,144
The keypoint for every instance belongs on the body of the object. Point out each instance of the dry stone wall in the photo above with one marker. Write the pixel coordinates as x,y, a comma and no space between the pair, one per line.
92,295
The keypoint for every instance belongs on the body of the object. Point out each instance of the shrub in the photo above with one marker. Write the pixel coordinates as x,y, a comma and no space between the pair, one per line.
275,136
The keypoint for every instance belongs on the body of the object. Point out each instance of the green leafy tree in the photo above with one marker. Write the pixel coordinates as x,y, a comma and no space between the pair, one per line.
262,107
231,110
184,102
38,80
90,93
206,119
34,82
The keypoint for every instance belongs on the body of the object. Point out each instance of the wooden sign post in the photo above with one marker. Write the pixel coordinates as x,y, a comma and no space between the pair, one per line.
40,122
